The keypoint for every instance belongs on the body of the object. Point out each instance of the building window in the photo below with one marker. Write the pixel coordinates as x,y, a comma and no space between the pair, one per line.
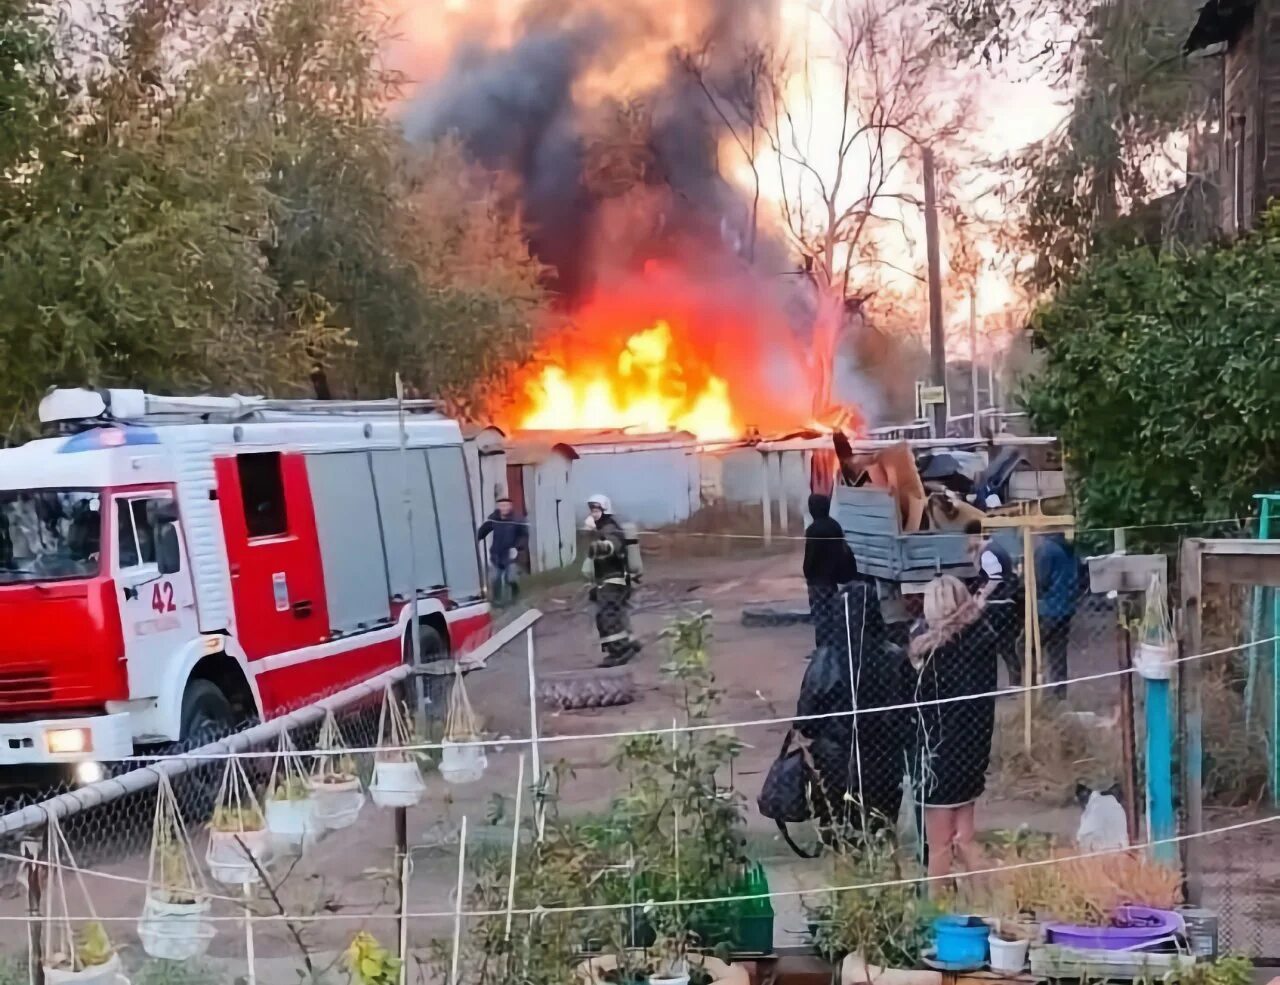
262,494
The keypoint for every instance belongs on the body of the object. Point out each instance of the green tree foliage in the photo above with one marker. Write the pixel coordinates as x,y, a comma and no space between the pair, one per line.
216,198
1162,379
1101,178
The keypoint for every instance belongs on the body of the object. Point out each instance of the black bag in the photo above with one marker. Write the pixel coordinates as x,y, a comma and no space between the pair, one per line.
824,689
784,797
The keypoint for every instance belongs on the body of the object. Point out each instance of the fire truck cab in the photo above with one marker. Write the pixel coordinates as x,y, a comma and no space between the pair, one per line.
170,566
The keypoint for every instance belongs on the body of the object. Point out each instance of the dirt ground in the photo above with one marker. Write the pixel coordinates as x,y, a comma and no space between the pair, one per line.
349,874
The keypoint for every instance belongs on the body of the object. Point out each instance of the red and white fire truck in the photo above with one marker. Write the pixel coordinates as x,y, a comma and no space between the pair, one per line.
173,564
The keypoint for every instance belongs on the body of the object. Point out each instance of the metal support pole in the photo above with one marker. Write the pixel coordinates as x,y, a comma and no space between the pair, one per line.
766,504
415,640
973,361
535,754
402,882
937,331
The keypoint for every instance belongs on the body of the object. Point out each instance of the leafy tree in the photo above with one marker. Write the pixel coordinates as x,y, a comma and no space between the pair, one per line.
1099,180
214,197
1162,379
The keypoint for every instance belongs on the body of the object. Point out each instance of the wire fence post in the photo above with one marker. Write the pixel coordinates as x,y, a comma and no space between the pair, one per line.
251,974
457,908
539,797
402,884
35,930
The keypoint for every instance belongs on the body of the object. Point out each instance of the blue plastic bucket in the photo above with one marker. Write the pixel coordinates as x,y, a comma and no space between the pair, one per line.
960,940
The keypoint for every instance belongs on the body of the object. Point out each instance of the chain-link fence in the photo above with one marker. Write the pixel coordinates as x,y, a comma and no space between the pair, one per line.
895,700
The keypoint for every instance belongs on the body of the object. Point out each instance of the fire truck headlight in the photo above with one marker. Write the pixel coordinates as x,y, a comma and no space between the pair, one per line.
87,773
69,741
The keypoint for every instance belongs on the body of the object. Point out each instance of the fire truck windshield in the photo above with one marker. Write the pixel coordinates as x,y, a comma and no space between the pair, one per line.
48,534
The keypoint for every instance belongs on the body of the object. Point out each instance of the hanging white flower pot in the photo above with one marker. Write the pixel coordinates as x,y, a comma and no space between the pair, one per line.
397,778
107,973
460,760
338,800
293,823
175,931
397,784
290,807
79,953
335,787
1156,653
1155,661
461,763
232,853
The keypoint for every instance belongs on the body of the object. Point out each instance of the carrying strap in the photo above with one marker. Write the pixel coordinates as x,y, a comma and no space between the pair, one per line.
807,759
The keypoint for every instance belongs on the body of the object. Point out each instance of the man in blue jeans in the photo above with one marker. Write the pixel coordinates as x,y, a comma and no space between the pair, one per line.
510,533
1056,577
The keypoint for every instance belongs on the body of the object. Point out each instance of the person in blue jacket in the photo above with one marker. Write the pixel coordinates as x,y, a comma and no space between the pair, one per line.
1056,582
510,533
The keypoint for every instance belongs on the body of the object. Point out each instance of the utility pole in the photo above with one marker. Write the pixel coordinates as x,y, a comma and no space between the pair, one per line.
937,336
973,359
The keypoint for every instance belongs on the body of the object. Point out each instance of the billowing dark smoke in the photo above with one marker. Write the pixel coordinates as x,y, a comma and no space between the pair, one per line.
514,109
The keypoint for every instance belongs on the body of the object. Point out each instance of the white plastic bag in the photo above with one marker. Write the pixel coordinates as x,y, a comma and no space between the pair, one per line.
1103,826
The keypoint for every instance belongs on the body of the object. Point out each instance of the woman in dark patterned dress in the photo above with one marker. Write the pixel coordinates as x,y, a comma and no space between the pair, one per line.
954,657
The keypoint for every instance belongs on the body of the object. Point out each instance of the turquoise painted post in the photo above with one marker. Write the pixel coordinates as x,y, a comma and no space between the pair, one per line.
1258,630
1160,818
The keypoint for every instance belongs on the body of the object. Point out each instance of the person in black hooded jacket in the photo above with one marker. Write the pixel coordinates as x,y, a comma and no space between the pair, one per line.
860,758
828,564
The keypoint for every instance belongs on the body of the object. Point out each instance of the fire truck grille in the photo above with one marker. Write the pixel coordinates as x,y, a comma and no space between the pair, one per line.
26,687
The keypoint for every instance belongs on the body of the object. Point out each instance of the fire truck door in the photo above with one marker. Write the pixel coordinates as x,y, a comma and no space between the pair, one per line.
157,610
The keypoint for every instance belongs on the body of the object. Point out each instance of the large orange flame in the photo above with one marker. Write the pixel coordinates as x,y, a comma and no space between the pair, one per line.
646,390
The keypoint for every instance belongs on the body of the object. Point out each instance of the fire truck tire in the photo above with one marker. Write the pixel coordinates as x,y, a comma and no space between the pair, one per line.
430,643
207,714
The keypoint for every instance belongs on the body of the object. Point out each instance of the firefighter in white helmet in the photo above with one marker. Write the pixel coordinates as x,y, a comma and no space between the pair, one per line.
614,566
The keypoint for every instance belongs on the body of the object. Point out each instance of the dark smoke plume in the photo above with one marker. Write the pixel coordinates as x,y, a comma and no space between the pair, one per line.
514,110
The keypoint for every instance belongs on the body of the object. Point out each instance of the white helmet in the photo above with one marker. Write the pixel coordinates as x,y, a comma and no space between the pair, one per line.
600,500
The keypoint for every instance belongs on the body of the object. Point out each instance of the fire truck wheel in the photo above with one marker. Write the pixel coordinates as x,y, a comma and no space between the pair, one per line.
430,642
206,714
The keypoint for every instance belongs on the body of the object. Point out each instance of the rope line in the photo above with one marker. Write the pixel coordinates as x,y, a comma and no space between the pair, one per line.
1007,692
923,879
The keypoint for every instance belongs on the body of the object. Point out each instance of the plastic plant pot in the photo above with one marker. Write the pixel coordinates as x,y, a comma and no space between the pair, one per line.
175,931
460,763
396,784
338,802
107,973
1132,928
1008,957
292,823
961,940
231,855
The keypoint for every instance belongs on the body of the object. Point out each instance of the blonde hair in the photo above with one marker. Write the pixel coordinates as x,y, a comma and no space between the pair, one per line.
943,597
948,609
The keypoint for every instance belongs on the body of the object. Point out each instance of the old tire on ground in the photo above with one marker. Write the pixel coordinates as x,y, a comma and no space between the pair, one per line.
597,688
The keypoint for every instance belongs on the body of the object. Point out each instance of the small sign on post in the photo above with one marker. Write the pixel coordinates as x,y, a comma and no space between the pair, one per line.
928,395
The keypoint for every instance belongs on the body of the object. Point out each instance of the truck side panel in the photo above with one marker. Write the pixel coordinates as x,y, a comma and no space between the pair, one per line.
277,582
350,538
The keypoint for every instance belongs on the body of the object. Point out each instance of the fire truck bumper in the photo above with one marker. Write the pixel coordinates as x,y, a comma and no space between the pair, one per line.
93,738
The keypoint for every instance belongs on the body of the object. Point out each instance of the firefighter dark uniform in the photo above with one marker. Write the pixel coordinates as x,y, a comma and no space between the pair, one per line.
611,586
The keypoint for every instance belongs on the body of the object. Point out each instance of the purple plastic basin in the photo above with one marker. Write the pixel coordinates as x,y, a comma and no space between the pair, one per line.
1132,927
